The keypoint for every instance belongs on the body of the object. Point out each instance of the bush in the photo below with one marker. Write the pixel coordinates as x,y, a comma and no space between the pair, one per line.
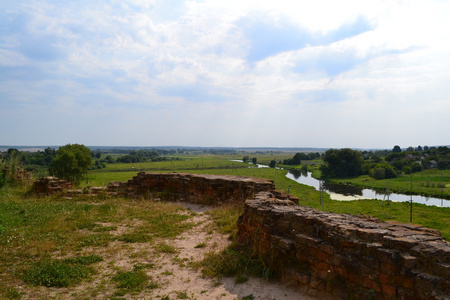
382,171
378,173
416,167
407,170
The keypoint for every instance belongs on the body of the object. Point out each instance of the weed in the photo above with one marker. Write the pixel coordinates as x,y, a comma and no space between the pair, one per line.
163,247
201,245
184,295
167,273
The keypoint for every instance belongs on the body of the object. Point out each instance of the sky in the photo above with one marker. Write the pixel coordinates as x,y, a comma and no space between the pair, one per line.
331,74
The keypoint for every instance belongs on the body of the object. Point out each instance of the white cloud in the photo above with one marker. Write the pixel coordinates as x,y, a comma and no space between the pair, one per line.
227,73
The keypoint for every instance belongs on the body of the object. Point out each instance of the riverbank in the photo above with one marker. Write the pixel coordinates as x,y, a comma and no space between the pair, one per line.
430,183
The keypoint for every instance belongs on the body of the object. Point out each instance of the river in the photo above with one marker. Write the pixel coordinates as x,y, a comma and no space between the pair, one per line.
348,192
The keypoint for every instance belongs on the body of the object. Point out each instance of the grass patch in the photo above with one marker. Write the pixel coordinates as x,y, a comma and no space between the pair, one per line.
225,217
137,236
132,282
60,273
83,260
169,225
95,240
9,292
237,260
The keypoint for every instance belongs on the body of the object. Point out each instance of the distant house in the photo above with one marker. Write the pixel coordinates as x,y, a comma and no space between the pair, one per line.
409,156
432,164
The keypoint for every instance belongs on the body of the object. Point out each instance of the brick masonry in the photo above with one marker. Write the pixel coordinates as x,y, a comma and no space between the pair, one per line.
198,188
337,256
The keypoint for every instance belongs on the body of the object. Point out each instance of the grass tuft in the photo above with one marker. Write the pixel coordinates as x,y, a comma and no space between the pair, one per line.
133,282
60,273
236,260
163,247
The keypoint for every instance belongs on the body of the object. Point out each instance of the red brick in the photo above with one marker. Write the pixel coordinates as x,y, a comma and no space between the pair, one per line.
322,256
388,290
404,282
385,278
369,283
327,248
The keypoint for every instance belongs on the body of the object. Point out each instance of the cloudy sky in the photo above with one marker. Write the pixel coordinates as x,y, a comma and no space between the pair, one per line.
368,74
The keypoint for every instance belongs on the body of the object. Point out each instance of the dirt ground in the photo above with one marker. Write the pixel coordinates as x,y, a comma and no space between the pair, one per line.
174,278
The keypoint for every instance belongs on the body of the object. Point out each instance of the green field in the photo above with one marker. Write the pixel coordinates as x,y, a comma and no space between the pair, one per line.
433,217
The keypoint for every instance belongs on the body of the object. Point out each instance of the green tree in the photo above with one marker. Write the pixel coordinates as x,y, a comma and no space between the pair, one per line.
71,162
396,149
342,163
254,160
272,163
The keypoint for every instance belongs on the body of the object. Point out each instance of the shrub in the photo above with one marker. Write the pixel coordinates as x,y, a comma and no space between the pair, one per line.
378,173
416,167
407,170
382,171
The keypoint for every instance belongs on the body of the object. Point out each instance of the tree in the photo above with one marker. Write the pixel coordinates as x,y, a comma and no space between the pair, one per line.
71,162
272,163
254,160
397,149
296,160
342,163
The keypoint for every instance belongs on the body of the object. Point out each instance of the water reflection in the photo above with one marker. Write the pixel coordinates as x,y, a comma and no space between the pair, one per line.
345,192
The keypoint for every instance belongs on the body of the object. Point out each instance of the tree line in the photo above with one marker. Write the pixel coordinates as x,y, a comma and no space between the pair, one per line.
384,164
72,161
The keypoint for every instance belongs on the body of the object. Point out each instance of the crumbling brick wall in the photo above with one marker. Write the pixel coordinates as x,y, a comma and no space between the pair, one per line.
338,256
49,185
199,188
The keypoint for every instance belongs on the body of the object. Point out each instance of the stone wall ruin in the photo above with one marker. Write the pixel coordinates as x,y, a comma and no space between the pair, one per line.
197,188
338,256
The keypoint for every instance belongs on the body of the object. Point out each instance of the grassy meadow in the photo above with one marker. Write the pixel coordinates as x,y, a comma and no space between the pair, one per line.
430,216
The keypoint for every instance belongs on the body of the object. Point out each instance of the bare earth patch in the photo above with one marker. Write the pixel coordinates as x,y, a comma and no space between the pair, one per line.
166,262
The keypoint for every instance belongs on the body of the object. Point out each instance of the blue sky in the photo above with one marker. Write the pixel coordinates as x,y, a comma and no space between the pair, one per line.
225,73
